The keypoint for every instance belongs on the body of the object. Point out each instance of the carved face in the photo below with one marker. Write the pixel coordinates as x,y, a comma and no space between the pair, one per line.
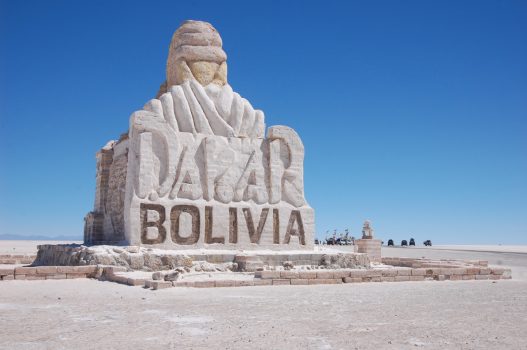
203,71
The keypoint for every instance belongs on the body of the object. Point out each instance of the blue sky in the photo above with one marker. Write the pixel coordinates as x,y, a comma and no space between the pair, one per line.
413,113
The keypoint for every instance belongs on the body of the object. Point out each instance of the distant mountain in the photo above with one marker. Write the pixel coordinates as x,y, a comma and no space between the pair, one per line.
10,237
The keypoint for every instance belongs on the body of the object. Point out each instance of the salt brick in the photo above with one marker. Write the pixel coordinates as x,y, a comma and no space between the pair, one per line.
456,277
495,277
483,263
402,278
299,281
35,277
473,271
224,283
75,275
459,271
46,270
389,273
418,272
7,271
25,271
161,284
497,271
376,279
341,274
66,269
469,277
270,274
93,268
482,277
404,272
484,271
352,280
8,277
307,274
56,276
203,284
243,283
325,274
135,282
388,279
417,278
189,284
20,277
439,277
358,273
264,282
280,282
289,274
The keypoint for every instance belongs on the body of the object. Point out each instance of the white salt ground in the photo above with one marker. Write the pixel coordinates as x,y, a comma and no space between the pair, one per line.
88,314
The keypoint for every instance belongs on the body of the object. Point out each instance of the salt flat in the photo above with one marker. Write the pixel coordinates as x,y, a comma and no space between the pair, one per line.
88,314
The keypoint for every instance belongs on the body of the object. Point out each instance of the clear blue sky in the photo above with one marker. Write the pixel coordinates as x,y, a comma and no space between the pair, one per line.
413,113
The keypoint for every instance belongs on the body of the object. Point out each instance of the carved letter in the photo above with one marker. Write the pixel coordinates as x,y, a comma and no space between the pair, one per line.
144,208
295,217
276,227
255,234
208,228
174,218
233,225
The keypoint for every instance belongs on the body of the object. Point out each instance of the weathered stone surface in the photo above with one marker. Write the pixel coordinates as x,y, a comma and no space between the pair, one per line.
195,170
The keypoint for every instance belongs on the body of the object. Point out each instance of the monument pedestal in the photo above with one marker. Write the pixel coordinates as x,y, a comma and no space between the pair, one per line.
371,247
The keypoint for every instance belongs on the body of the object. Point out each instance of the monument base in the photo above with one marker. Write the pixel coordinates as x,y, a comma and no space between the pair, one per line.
370,247
148,259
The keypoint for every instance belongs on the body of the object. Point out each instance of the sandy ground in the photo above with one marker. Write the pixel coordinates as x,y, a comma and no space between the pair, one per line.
88,314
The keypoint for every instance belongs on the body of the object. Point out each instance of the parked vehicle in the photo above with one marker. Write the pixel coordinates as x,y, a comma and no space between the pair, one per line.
404,243
412,241
390,243
428,243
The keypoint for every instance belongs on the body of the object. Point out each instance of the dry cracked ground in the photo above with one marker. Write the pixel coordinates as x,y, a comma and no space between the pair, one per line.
88,314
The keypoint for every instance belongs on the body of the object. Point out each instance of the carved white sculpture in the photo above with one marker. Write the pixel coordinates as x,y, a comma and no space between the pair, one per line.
199,171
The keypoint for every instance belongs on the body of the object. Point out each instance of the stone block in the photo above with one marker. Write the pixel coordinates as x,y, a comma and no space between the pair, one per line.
56,276
325,274
341,274
402,278
244,283
404,272
484,271
269,274
88,269
417,278
459,271
388,279
299,281
160,285
66,269
482,277
469,277
497,271
135,282
7,277
228,283
473,270
376,279
204,284
44,270
495,277
456,277
281,282
35,277
75,275
289,274
25,271
261,282
418,272
358,273
389,273
7,271
188,284
20,277
307,274
352,280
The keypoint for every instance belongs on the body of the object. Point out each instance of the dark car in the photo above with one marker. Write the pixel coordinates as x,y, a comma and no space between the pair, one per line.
428,243
390,243
412,241
404,243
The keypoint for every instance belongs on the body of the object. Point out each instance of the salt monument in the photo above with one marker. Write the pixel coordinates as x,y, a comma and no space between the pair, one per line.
197,167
